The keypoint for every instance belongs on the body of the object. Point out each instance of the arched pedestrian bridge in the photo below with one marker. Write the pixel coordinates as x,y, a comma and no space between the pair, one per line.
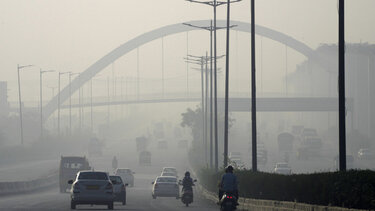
125,48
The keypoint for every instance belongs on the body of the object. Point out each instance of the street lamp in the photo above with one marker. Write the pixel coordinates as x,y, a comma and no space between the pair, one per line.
58,104
201,61
19,97
53,95
253,91
214,4
41,72
70,101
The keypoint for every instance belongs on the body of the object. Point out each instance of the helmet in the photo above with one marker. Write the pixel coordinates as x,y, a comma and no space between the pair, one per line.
187,174
229,169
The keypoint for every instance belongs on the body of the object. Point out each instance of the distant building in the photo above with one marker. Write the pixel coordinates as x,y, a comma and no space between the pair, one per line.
321,80
4,104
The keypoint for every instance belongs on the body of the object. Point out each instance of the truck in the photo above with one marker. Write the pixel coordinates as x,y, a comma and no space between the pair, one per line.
69,167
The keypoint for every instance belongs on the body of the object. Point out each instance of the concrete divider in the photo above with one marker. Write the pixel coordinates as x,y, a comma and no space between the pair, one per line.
270,205
31,185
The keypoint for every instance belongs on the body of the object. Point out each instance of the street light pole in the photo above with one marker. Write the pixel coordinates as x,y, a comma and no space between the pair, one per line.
211,29
70,101
253,90
201,61
41,100
342,109
226,119
211,113
215,4
58,104
19,97
91,114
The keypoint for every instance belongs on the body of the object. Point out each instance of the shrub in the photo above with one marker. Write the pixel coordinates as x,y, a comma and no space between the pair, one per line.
351,189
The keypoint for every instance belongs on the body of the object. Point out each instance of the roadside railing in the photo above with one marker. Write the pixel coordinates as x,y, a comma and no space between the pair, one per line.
29,186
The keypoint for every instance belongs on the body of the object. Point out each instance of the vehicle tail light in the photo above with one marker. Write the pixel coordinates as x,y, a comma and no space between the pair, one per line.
76,188
109,186
229,197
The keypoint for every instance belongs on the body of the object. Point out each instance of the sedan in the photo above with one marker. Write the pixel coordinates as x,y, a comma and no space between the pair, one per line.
119,189
365,154
282,168
165,186
127,175
91,187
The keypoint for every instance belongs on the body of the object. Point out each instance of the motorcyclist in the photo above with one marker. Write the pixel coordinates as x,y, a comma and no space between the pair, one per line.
228,183
187,182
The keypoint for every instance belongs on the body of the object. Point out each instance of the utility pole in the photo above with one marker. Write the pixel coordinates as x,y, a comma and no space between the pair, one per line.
41,100
138,87
19,97
187,65
109,100
53,95
162,65
58,104
206,105
201,61
210,29
70,102
342,109
226,118
91,114
253,91
215,4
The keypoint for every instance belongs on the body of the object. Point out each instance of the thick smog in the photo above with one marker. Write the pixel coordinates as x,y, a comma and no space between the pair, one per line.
187,105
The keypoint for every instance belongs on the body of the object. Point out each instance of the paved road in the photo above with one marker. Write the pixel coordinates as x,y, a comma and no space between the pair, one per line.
139,197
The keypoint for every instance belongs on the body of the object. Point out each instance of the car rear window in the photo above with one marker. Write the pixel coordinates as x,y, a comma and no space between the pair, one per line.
93,176
123,171
168,174
166,179
282,165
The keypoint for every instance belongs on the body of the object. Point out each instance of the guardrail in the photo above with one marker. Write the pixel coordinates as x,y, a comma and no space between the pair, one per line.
28,186
247,204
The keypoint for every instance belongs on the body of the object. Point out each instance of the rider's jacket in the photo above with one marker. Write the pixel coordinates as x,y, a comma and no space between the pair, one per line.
187,183
229,182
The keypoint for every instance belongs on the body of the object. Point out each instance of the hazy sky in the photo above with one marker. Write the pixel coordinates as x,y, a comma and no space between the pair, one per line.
70,35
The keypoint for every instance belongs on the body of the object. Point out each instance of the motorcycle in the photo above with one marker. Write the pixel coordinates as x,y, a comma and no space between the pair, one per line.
228,202
187,195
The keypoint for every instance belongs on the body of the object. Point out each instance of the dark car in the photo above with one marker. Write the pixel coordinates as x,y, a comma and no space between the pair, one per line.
119,189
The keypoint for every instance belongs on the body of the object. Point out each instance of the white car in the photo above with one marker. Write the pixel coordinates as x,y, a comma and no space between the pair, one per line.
170,169
168,174
234,155
91,187
165,186
282,168
127,175
365,154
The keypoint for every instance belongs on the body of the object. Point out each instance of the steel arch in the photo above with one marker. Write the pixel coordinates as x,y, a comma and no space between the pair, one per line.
164,31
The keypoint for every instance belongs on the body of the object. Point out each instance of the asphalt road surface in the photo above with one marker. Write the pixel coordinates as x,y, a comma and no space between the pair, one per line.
138,197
